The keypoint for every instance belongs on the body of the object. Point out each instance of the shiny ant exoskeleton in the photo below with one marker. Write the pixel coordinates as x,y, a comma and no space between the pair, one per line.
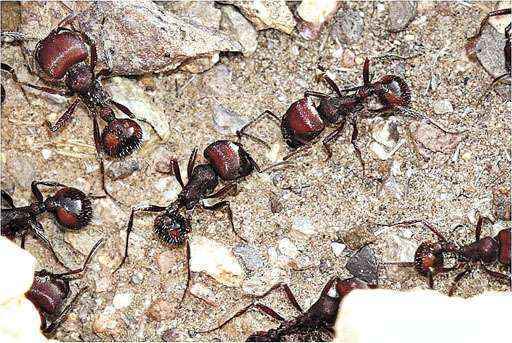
67,57
49,293
227,161
429,257
315,324
507,50
70,206
303,122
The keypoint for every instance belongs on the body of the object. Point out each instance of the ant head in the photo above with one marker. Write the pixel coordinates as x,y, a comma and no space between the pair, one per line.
394,91
488,249
429,258
121,137
48,291
343,287
71,207
79,78
172,228
261,336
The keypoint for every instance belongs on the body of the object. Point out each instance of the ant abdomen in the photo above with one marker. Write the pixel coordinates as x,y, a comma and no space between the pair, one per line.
503,239
301,123
172,228
121,137
229,159
57,53
72,208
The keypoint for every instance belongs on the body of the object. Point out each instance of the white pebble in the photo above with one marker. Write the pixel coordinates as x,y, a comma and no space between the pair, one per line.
443,106
122,300
287,248
337,248
303,225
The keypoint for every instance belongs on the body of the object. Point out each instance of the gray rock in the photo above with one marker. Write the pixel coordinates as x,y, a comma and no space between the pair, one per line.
225,120
348,28
217,82
363,265
443,106
134,37
400,14
251,257
234,22
20,168
430,139
266,14
501,203
121,169
202,12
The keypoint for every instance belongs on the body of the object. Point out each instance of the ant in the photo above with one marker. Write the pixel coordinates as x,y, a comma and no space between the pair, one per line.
506,50
303,122
67,57
227,161
49,292
70,206
315,324
429,257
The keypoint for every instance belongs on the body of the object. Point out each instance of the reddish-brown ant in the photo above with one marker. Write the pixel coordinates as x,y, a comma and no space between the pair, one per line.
429,257
303,121
507,50
49,293
67,57
482,252
70,206
315,324
226,160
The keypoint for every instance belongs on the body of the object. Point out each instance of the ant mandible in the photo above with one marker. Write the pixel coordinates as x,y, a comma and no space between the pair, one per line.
50,291
315,324
227,161
303,122
70,206
68,57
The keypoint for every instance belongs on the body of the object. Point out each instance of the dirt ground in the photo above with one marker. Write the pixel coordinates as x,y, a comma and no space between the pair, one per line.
339,202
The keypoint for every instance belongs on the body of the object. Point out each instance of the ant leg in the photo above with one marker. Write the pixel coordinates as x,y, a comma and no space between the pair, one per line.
262,308
332,85
23,240
189,275
353,140
430,277
457,279
97,144
241,132
38,231
92,47
288,292
64,118
316,94
37,192
496,275
303,148
334,135
366,72
223,191
191,163
103,73
224,205
177,172
150,208
8,199
86,262
10,70
62,316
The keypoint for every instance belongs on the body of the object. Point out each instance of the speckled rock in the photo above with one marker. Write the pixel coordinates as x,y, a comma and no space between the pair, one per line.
430,139
251,257
225,120
266,14
313,15
216,260
501,203
129,47
234,22
348,28
161,310
400,14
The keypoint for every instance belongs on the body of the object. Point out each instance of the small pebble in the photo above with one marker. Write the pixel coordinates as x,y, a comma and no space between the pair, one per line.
250,256
226,121
363,265
303,225
287,248
349,27
348,59
122,300
137,278
443,106
400,14
501,203
203,292
337,248
47,154
161,310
